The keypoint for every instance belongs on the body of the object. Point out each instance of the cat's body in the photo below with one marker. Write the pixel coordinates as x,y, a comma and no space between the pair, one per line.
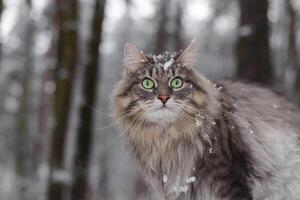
225,141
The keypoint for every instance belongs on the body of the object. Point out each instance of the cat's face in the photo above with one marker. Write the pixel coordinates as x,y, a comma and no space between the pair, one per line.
159,89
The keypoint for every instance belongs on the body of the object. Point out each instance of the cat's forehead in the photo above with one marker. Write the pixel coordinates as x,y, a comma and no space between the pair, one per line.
164,60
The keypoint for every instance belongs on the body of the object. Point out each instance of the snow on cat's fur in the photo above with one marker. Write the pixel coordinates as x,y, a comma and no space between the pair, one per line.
205,140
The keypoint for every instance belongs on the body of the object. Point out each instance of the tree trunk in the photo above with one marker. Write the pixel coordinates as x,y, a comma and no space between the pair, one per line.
292,61
162,34
80,187
24,163
66,19
253,50
297,85
178,35
1,9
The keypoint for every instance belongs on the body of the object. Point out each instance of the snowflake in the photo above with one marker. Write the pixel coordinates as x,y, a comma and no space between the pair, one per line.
168,64
190,179
165,178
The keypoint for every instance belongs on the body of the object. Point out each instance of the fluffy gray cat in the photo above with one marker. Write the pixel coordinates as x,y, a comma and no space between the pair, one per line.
194,139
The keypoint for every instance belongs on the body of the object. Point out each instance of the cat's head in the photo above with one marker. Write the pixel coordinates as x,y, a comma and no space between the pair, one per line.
162,89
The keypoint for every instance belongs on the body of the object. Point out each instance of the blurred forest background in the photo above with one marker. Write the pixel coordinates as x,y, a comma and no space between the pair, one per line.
60,60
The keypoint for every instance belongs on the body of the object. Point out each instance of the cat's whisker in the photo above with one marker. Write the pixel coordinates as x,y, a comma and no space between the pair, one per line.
138,127
132,125
100,112
187,122
204,114
117,120
182,108
123,132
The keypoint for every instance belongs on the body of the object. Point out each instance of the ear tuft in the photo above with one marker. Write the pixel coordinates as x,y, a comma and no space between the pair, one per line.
133,58
188,57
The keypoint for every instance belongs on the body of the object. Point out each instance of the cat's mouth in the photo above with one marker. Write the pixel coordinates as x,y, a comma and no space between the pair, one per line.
164,107
162,114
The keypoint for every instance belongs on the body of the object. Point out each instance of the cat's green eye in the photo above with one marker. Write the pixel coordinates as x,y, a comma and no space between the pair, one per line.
176,83
148,84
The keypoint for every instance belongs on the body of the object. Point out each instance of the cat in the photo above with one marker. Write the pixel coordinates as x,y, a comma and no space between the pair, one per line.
194,139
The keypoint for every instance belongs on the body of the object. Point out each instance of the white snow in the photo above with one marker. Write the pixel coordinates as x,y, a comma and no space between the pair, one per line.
198,123
183,189
220,88
165,178
190,179
159,56
168,64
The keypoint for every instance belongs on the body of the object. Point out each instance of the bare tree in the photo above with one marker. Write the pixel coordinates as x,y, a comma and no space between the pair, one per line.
66,18
292,61
178,35
1,9
162,33
24,164
297,85
253,50
292,58
292,46
80,187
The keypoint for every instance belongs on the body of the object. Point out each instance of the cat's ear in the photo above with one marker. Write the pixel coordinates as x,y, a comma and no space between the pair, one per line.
188,57
133,58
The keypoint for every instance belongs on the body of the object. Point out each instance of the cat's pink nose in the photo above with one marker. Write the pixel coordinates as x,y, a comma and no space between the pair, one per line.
163,99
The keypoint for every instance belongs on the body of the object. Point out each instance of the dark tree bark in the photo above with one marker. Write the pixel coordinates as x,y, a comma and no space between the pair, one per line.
66,18
24,163
253,50
297,84
292,61
292,46
162,33
1,9
178,35
80,187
